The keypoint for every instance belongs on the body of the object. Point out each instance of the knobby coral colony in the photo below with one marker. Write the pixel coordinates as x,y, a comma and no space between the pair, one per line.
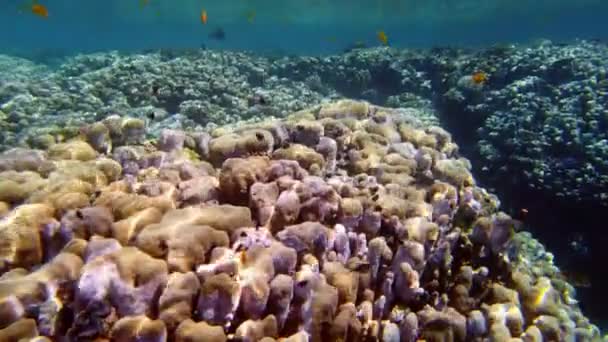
342,222
538,121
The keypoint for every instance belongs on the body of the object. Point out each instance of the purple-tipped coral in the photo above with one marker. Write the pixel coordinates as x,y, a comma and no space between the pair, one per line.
296,230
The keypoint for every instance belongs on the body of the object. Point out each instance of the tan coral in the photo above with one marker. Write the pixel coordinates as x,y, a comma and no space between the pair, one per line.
345,281
390,205
455,172
379,125
90,172
252,330
126,230
408,228
308,159
98,136
18,289
420,229
138,327
417,137
218,299
4,208
325,300
76,246
74,149
182,243
541,298
239,174
176,302
227,218
346,325
305,131
132,130
128,277
20,240
110,168
442,324
303,114
83,223
22,330
124,204
345,109
248,143
23,159
189,331
16,187
508,315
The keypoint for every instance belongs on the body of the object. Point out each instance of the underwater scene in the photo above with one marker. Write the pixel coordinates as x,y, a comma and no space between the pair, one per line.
303,170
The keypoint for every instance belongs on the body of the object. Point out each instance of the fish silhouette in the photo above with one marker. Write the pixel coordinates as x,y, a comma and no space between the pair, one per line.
218,34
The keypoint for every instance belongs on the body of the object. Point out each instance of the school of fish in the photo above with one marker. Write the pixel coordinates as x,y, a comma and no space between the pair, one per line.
250,15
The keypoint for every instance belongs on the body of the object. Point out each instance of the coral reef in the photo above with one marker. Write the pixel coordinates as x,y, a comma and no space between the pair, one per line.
342,222
540,118
167,90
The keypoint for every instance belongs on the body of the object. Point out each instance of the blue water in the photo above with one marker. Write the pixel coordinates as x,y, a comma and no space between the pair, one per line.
300,27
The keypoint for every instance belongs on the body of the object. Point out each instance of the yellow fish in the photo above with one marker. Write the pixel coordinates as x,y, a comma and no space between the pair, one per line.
250,16
33,7
481,77
40,10
382,37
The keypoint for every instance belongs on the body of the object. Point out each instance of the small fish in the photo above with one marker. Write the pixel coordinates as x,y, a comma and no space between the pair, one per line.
382,37
354,46
479,77
331,39
260,99
204,17
143,3
154,89
250,16
218,34
578,245
40,10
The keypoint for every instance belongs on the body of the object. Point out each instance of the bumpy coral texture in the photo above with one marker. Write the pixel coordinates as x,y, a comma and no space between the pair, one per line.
341,223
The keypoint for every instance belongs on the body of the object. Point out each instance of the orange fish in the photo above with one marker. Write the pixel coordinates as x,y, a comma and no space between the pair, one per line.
40,10
479,77
204,17
382,37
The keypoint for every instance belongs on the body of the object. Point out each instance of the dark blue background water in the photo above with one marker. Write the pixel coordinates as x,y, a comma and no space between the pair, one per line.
303,27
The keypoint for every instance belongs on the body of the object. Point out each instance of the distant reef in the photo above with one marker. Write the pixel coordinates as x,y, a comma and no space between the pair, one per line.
540,119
